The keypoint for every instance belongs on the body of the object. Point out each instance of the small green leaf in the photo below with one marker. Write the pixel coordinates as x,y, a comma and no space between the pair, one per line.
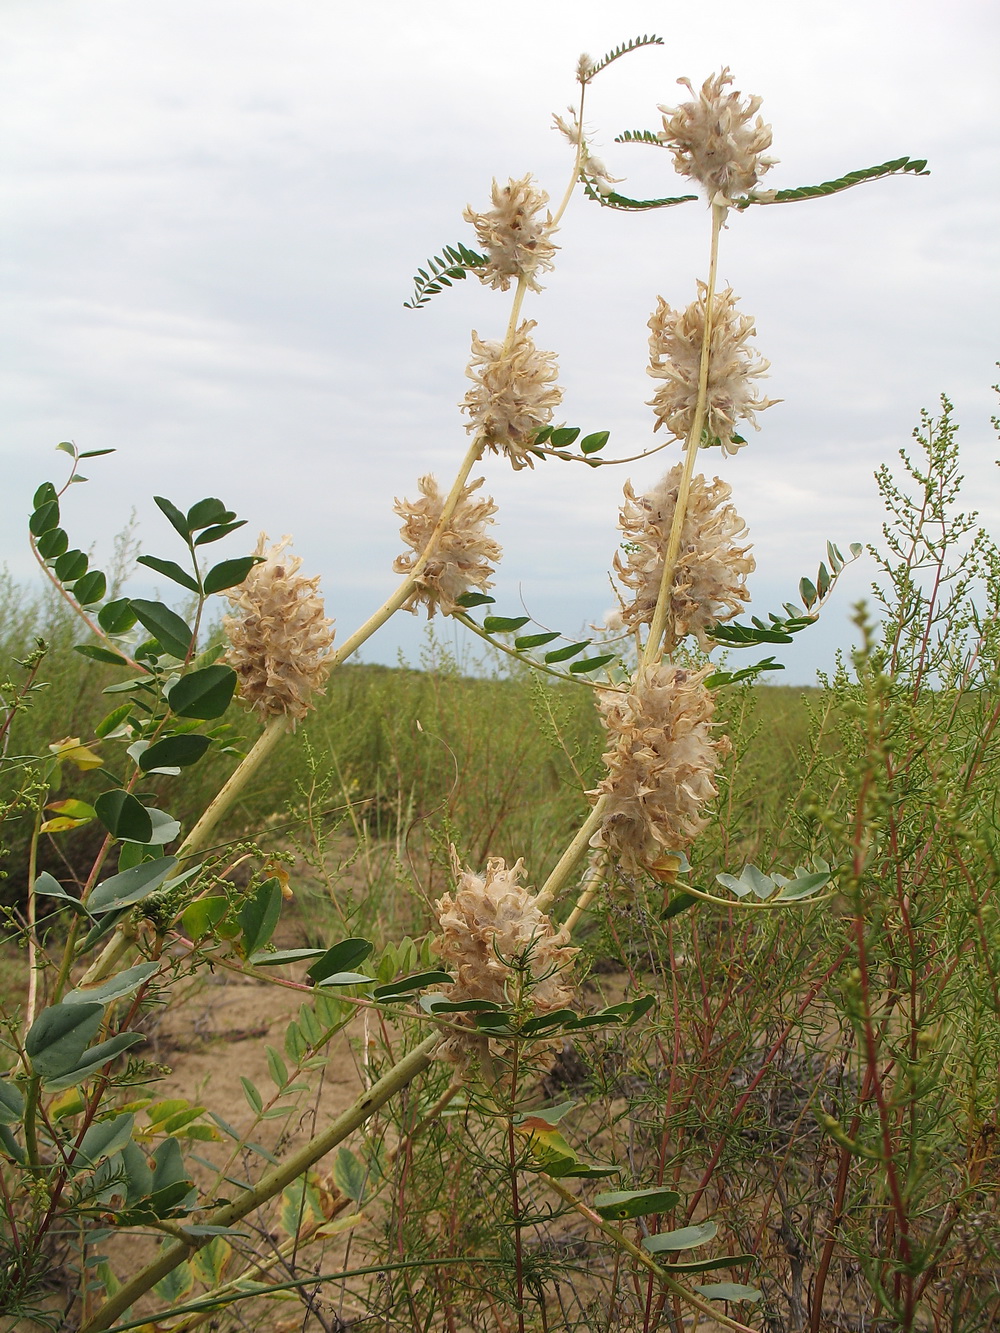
91,588
123,816
808,593
253,1097
276,1067
350,1175
542,435
177,519
70,566
590,444
171,570
346,979
44,518
282,956
622,1204
173,752
218,531
125,983
130,886
92,453
51,888
729,1291
534,640
685,1238
571,650
259,915
116,617
104,1138
406,985
113,720
470,599
340,958
46,494
230,573
52,544
203,694
680,902
207,513
564,436
504,624
11,1103
100,654
169,630
592,663
202,916
165,827
823,581
59,1036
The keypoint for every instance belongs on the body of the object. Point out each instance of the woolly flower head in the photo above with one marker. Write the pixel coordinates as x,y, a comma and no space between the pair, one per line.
675,358
514,236
711,570
493,936
460,560
661,764
279,636
514,393
591,167
715,140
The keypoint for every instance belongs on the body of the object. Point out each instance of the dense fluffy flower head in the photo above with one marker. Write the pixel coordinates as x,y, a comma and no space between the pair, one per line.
279,635
661,764
514,394
514,235
733,368
712,566
494,938
716,141
460,562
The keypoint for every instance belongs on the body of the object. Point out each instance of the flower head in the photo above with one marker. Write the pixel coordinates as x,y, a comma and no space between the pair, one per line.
715,140
500,946
460,560
661,763
279,636
514,393
515,238
711,570
675,358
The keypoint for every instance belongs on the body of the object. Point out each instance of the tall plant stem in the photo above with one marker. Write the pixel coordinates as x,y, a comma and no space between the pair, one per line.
566,864
659,622
228,795
270,1184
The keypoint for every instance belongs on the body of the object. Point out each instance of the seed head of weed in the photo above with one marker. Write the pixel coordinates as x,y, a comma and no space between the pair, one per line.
514,234
279,636
460,562
514,393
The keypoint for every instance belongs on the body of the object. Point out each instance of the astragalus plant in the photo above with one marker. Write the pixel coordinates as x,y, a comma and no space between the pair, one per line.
782,1120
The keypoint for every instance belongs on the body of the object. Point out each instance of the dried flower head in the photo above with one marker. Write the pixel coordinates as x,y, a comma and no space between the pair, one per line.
661,763
715,141
675,357
279,636
711,570
591,167
460,562
500,946
515,238
515,393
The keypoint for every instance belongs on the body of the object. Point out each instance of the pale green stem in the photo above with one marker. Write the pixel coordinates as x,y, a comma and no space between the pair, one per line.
566,864
270,1184
663,601
33,968
738,905
228,795
577,162
592,882
640,1256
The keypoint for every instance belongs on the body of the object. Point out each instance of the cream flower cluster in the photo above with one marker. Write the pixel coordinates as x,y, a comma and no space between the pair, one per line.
491,921
514,236
514,394
709,581
280,637
716,141
661,764
460,562
675,358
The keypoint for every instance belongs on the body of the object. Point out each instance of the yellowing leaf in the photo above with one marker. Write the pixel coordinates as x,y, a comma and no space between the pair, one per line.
61,823
67,1103
71,750
72,809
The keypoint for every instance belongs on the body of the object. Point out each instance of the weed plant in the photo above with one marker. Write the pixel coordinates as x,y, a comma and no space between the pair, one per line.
733,1065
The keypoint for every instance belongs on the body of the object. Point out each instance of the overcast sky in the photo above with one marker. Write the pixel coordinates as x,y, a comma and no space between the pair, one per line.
212,210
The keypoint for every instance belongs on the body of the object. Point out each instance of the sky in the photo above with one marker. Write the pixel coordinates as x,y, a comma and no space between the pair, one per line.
212,211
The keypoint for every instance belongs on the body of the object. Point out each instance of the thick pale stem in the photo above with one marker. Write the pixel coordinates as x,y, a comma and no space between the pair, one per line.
228,795
663,601
566,864
270,1184
590,888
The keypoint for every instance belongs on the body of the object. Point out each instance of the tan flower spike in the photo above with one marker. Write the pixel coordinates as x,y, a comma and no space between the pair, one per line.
675,358
279,636
515,238
661,764
460,562
493,938
715,140
709,582
514,393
